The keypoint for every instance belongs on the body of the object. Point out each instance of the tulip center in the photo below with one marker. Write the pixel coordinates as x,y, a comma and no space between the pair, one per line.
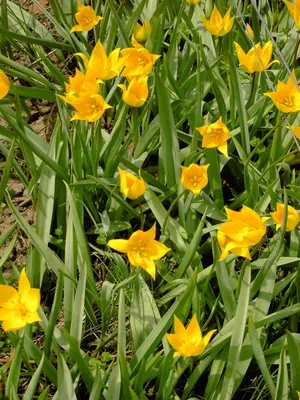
195,180
96,107
22,310
87,20
288,102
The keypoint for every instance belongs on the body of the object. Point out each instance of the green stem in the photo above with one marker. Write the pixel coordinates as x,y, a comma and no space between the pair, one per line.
170,210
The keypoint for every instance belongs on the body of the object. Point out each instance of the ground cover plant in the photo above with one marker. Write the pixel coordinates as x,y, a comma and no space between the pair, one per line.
162,249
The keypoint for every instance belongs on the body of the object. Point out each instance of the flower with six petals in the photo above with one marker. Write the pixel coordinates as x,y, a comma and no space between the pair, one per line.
194,177
142,249
86,18
293,217
242,230
215,135
100,65
287,96
294,10
137,91
188,342
131,186
19,307
142,32
257,59
78,86
137,60
4,85
218,25
89,108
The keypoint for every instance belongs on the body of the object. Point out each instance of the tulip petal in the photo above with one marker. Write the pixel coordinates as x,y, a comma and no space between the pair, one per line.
24,285
6,293
33,300
120,245
174,340
32,317
207,337
13,324
193,329
179,327
149,266
159,250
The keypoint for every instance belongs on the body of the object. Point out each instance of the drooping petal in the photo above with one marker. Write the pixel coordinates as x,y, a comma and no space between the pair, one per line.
149,266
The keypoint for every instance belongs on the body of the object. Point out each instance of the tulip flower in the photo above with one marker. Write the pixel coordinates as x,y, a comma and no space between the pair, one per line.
19,307
142,249
131,186
89,108
257,59
218,25
78,86
249,31
142,32
188,342
287,96
293,217
100,65
295,130
192,1
215,135
242,230
137,91
137,60
4,85
194,177
86,18
294,10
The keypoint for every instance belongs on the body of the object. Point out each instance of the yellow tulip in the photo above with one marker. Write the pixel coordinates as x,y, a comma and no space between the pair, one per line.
4,85
298,395
194,177
294,9
137,92
287,96
257,59
86,18
80,85
142,32
137,60
296,130
249,31
192,1
188,342
218,25
131,186
142,249
242,230
215,135
100,65
19,307
293,217
89,108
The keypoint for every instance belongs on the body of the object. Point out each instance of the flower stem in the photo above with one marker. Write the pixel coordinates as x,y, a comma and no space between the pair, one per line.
170,210
141,213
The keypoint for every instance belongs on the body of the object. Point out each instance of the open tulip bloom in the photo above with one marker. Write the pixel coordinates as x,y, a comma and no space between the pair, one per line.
19,307
242,230
86,18
188,342
218,25
142,249
136,93
215,135
287,96
257,59
294,10
194,177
